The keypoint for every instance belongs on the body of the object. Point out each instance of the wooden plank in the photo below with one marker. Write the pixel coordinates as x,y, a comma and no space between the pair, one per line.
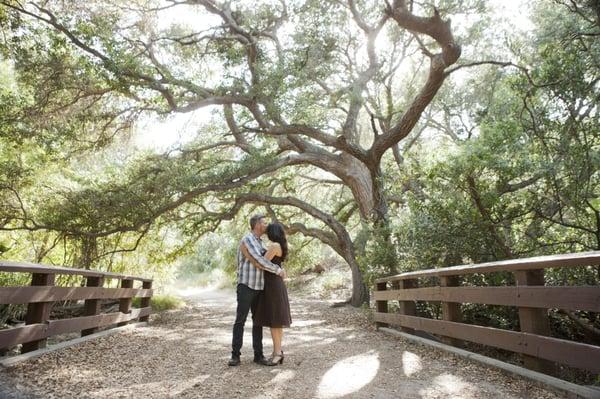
407,307
87,322
19,295
534,320
36,332
570,353
141,312
451,310
25,267
74,324
539,262
92,306
125,303
38,312
568,298
145,302
381,305
13,336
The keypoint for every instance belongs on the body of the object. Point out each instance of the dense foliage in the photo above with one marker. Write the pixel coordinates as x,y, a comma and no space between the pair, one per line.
333,117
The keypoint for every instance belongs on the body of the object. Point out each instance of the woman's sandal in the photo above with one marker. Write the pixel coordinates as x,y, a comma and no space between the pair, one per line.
276,359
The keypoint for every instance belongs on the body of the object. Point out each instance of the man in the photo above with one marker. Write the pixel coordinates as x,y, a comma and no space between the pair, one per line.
250,286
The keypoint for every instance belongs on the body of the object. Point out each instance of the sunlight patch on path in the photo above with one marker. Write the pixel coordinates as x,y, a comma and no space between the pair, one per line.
282,377
349,375
411,363
276,387
308,323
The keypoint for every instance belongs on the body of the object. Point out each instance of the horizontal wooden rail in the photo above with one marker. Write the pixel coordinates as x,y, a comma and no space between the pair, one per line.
42,293
529,295
29,333
81,323
40,331
571,353
24,267
540,262
567,298
20,295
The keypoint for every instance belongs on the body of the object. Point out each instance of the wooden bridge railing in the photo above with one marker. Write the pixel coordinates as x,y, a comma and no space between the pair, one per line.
43,293
530,296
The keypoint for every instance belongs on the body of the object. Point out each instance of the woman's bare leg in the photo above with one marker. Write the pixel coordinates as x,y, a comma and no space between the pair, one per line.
277,335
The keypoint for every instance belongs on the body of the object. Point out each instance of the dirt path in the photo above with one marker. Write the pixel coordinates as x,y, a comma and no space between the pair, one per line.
330,353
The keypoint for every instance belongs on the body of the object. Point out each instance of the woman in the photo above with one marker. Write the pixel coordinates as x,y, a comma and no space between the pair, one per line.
274,307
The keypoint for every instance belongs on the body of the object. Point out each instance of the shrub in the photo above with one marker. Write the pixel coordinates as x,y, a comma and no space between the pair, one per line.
162,302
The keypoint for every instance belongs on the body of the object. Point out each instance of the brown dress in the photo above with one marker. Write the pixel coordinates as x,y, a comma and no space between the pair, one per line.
273,308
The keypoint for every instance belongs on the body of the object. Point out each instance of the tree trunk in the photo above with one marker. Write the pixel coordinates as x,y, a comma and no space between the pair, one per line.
359,179
367,187
381,223
360,291
88,252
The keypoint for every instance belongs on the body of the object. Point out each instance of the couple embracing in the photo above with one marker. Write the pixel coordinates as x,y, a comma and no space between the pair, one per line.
261,289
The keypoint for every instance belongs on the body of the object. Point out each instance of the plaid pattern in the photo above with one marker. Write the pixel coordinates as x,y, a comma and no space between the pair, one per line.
247,274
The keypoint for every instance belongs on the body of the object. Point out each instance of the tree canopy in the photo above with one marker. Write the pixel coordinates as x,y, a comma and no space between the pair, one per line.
401,135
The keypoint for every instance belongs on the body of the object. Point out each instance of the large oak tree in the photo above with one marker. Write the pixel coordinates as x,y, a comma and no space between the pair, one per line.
301,92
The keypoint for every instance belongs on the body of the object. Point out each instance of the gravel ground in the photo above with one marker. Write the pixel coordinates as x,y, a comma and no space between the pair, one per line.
329,353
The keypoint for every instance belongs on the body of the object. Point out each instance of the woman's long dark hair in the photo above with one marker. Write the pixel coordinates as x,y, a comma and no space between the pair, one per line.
276,233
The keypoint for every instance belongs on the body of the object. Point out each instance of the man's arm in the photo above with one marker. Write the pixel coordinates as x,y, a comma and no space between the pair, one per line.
247,255
254,253
282,273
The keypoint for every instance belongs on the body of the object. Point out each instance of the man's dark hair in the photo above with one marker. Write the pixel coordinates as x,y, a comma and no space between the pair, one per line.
255,219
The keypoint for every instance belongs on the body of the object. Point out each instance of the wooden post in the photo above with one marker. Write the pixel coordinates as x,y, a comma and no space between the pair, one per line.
145,302
92,306
125,303
382,306
408,308
38,312
534,320
451,310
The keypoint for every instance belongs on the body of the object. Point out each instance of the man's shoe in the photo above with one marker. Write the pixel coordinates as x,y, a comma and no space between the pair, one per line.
261,360
234,361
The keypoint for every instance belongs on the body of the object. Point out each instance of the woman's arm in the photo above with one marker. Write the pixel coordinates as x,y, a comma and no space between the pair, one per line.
273,251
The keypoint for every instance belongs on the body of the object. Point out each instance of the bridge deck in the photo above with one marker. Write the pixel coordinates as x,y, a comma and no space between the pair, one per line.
330,353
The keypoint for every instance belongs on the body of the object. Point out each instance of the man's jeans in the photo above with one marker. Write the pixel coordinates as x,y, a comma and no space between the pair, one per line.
247,299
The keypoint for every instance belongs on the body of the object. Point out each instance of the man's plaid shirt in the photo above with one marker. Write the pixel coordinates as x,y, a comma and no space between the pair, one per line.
248,274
